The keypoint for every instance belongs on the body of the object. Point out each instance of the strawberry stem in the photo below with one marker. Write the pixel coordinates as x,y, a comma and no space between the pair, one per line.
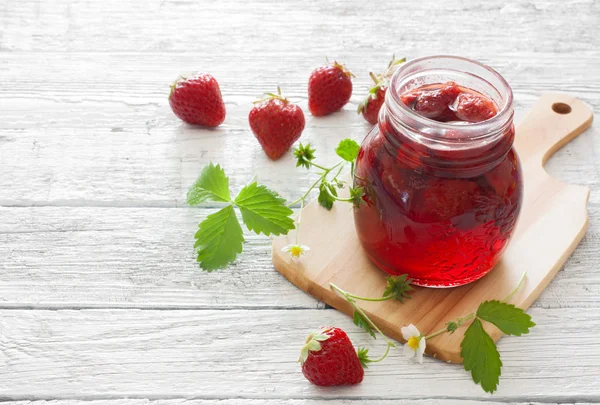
387,351
272,96
375,79
343,69
346,295
326,171
337,198
460,321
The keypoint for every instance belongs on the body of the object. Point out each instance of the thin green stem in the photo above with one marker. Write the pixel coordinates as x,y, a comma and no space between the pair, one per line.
514,290
337,198
298,222
341,162
307,192
387,351
319,166
459,321
346,295
326,171
437,333
463,319
356,297
338,173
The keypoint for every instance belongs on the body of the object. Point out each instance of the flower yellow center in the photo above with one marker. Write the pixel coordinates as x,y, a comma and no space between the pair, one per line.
413,342
296,251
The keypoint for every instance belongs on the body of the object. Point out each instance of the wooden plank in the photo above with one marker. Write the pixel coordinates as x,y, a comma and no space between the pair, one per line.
105,354
84,121
61,257
440,401
120,145
351,26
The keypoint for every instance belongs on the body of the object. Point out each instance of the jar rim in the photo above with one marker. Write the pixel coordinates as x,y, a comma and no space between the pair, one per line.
472,131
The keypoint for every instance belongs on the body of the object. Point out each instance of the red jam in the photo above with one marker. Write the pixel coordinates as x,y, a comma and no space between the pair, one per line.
449,102
441,209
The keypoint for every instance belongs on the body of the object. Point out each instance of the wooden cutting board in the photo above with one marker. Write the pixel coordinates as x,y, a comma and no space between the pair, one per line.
553,220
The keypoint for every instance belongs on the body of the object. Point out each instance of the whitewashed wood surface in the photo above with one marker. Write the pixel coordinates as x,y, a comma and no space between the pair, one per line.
100,297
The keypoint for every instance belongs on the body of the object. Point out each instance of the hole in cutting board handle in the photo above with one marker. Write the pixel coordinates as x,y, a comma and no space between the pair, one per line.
561,108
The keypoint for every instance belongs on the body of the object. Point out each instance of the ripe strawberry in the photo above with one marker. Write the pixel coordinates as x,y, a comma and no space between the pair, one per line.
369,108
329,89
434,103
328,358
276,123
473,108
197,100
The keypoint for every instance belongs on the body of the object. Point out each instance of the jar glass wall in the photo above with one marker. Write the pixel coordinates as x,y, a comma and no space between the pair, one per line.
443,184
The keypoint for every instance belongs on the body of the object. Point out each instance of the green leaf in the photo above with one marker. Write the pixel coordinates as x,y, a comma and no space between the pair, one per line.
219,239
481,357
263,211
362,322
325,191
508,318
398,287
212,184
348,149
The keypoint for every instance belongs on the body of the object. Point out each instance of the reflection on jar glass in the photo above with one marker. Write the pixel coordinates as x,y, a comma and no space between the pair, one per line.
442,181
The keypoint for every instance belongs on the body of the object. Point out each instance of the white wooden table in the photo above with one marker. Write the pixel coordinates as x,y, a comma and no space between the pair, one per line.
100,296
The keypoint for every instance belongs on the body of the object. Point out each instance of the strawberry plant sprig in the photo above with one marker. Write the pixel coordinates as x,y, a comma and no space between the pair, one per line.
478,350
328,186
219,238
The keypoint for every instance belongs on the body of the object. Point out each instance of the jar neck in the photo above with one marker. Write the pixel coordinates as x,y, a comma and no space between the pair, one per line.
445,148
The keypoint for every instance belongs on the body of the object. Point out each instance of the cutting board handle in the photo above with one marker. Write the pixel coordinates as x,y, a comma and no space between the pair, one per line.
554,120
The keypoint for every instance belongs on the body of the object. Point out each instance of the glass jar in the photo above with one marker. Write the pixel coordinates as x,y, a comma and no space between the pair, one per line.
442,196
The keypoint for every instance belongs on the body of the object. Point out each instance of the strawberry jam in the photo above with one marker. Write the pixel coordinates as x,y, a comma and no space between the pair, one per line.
442,181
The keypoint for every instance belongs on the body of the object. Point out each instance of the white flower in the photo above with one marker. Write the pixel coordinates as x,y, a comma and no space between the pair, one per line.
415,342
296,251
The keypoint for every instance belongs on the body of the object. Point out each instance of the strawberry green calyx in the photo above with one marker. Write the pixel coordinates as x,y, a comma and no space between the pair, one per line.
398,287
392,65
312,344
356,196
173,85
362,107
180,78
272,96
381,83
343,69
363,356
304,155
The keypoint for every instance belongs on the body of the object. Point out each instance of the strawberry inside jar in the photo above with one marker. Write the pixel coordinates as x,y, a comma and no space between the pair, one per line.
442,181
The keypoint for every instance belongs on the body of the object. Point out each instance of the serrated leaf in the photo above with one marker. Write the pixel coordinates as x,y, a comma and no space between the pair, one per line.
219,239
508,318
481,357
263,211
325,199
212,184
362,322
348,149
